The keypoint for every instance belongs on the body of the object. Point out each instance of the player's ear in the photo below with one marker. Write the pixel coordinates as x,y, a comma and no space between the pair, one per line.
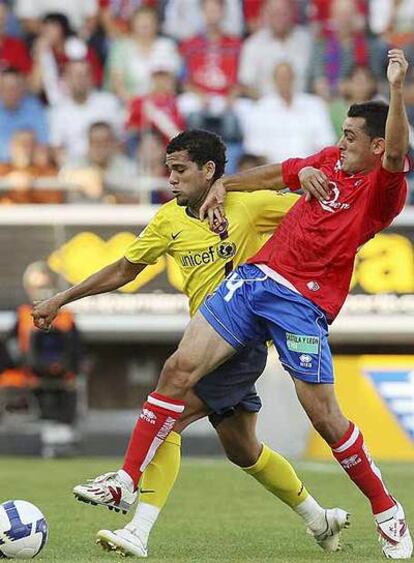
210,169
378,146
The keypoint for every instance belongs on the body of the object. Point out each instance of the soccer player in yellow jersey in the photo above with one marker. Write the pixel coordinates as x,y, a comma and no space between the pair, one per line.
227,395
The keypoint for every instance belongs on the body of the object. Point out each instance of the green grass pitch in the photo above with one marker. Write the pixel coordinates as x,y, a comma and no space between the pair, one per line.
215,513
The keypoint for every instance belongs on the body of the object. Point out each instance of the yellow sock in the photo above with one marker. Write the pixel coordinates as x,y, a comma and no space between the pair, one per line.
160,475
276,474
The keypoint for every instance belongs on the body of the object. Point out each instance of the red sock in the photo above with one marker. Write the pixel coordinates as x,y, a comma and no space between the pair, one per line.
354,457
157,418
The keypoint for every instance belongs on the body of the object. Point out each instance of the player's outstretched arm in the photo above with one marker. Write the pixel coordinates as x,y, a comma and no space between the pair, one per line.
397,127
267,177
109,278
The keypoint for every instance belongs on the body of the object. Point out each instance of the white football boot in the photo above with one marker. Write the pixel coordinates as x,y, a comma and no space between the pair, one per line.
333,522
108,490
395,536
124,542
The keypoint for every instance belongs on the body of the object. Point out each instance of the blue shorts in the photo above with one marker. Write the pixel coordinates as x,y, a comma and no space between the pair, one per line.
249,307
231,385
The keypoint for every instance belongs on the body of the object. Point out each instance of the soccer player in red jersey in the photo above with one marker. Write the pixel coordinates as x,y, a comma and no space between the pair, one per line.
295,285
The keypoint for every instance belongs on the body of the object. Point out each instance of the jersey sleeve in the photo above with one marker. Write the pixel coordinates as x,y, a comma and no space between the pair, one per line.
266,208
151,243
388,196
292,166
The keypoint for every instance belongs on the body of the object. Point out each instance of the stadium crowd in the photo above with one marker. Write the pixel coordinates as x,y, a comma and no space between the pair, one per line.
92,90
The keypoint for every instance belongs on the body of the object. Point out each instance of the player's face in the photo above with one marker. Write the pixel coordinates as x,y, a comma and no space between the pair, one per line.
188,182
359,153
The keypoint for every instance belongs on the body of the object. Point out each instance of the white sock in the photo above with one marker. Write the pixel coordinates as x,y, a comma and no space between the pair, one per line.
144,519
311,512
126,479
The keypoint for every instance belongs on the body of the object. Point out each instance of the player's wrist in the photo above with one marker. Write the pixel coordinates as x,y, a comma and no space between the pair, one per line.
397,87
61,299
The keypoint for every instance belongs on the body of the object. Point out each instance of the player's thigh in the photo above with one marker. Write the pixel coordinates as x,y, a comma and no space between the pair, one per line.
200,351
232,384
299,331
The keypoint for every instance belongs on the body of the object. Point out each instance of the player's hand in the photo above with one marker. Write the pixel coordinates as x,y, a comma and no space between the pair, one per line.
213,206
397,67
44,312
314,183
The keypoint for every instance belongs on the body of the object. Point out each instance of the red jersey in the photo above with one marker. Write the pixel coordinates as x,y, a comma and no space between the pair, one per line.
212,66
315,245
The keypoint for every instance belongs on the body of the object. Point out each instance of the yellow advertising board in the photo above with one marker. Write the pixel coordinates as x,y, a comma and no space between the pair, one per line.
377,393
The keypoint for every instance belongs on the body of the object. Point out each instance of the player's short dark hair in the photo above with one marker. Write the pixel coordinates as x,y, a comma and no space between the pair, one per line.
202,146
375,115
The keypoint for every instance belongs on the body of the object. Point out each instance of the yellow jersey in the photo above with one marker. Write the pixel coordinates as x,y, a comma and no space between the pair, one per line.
202,256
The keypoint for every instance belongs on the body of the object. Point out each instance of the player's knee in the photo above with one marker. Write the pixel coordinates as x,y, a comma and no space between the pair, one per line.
178,372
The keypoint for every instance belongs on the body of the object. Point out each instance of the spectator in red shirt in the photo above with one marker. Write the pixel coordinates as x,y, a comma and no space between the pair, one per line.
157,110
53,49
211,68
211,60
13,52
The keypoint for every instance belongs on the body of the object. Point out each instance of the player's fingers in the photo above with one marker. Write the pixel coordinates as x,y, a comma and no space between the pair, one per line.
318,189
210,214
308,196
219,214
204,210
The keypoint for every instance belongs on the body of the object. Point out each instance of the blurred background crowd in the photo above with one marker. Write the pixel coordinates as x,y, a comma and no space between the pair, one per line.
92,90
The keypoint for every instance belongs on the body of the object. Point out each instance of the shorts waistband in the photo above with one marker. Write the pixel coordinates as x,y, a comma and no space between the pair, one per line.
277,277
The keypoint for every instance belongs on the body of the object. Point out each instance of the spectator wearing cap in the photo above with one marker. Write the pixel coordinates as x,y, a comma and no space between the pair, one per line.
131,57
18,111
55,46
278,40
13,51
71,117
183,19
286,122
157,110
252,10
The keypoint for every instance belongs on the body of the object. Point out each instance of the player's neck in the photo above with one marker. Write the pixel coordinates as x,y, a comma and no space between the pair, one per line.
193,208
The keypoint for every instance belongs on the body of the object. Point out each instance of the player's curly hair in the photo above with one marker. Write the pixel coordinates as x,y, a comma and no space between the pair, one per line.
375,115
202,146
